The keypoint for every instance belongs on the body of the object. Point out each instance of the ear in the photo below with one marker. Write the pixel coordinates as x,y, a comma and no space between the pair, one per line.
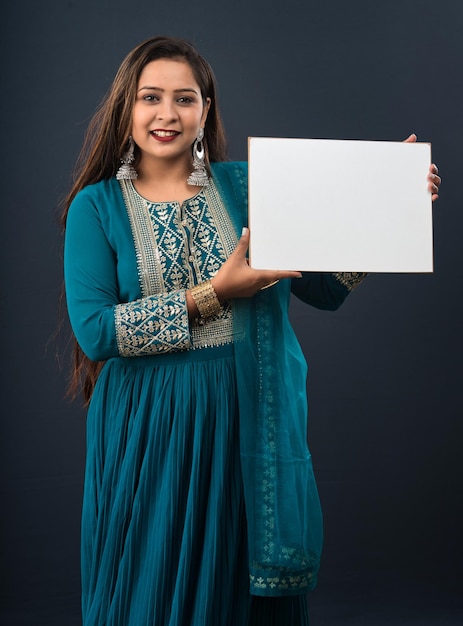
206,108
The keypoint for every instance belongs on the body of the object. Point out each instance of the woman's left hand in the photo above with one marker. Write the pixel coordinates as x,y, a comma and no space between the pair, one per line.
434,180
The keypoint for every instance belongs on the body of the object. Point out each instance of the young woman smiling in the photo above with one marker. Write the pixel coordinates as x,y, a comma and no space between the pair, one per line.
200,505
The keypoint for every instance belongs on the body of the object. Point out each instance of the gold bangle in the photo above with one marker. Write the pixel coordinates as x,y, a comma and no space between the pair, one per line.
206,299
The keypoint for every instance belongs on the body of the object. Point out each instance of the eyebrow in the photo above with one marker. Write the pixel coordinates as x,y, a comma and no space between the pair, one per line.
188,89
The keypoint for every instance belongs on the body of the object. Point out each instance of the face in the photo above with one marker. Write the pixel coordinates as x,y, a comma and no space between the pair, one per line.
168,111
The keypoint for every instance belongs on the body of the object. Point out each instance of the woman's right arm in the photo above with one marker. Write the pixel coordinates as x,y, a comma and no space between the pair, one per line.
107,327
103,324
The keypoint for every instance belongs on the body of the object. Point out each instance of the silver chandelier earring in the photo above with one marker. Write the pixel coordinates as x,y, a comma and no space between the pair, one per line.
199,175
127,170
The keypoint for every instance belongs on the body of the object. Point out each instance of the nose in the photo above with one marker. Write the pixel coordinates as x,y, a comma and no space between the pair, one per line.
166,110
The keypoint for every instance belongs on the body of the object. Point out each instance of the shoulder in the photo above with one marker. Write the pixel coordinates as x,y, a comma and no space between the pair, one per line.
104,189
97,204
99,197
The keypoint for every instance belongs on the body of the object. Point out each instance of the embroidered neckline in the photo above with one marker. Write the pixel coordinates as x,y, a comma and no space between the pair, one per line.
169,202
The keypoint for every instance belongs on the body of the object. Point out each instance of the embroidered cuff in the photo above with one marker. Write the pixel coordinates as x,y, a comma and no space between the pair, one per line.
350,280
152,325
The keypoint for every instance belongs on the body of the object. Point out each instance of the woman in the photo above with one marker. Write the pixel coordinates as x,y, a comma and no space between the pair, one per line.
200,506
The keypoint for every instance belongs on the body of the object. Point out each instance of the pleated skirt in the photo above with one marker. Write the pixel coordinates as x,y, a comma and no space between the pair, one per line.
163,518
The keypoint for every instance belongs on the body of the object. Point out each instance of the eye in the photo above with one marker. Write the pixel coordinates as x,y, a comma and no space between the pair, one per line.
185,100
150,97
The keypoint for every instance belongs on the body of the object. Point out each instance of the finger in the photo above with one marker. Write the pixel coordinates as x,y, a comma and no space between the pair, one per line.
289,274
411,138
243,243
272,278
245,232
434,182
268,278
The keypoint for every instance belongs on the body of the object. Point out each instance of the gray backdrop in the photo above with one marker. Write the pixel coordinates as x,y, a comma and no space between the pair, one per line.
385,370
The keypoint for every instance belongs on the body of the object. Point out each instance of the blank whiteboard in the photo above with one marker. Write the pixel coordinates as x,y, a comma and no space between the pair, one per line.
339,205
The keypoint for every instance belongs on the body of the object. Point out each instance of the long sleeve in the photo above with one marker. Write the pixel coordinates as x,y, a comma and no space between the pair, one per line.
325,291
98,250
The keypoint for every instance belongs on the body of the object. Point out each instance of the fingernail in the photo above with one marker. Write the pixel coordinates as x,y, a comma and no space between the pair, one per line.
244,231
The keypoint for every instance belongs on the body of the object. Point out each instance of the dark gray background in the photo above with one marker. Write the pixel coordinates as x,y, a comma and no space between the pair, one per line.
385,370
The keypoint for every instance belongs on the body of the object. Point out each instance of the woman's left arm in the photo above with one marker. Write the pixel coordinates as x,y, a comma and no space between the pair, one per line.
324,290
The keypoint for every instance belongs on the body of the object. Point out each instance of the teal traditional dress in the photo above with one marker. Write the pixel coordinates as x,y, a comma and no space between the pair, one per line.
199,491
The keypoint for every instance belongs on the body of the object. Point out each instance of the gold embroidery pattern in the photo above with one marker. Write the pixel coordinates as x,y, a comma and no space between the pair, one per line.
217,214
213,332
171,240
146,249
178,246
152,325
350,279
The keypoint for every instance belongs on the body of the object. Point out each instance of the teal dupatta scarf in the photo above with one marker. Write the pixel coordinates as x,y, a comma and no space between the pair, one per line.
283,511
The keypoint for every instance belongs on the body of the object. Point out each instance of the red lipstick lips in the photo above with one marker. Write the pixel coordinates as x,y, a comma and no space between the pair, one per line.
164,135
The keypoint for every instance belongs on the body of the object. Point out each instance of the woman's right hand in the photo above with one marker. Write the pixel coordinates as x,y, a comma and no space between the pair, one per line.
237,279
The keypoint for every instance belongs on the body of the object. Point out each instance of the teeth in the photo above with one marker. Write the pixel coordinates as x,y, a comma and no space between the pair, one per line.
164,133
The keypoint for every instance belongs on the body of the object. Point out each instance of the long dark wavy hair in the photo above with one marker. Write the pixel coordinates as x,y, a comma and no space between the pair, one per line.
107,137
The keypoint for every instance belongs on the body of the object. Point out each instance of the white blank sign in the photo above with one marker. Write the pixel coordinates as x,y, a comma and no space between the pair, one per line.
339,205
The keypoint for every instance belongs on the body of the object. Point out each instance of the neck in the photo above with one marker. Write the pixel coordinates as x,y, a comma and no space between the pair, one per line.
164,181
152,171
